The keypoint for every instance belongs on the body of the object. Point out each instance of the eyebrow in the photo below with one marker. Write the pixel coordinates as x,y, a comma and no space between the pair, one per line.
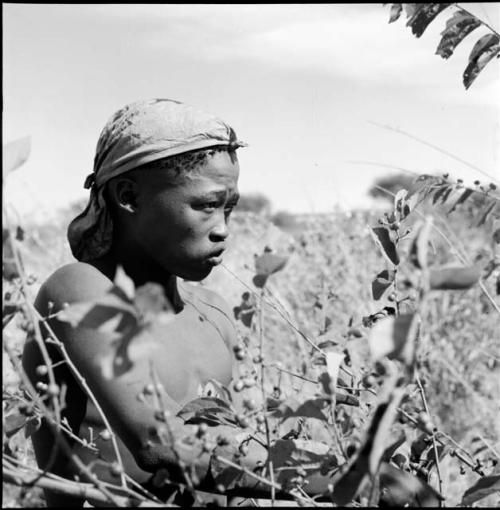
219,195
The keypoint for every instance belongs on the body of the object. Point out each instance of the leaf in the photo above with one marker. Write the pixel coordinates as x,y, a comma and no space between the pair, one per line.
333,361
15,154
454,278
13,423
412,9
384,242
210,410
269,263
483,51
463,197
484,217
395,337
420,243
483,487
350,481
402,489
124,282
259,280
459,26
153,304
496,236
312,408
396,10
382,282
9,266
391,450
423,17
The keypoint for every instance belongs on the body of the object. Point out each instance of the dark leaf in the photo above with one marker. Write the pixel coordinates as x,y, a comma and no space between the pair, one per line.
421,19
14,423
463,197
457,28
454,278
32,426
396,10
483,487
382,282
312,408
439,192
15,154
259,280
391,450
384,242
420,243
210,410
488,211
483,51
269,263
351,480
412,9
496,236
402,489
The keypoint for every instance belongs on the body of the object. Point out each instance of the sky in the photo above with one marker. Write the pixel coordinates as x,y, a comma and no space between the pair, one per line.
302,84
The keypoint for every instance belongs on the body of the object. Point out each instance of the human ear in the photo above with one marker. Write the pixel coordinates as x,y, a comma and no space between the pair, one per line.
124,194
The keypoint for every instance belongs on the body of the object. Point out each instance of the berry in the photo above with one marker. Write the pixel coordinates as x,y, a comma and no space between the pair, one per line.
149,389
257,359
260,418
41,386
249,404
42,370
242,421
238,385
239,355
105,435
116,470
368,381
249,382
202,430
53,390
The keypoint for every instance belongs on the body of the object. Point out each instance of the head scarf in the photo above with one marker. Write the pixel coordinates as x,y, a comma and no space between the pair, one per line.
139,133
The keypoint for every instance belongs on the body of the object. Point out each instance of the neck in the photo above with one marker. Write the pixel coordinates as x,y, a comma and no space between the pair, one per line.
141,271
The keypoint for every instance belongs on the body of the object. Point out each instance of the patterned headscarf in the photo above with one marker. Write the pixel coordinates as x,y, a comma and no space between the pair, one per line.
139,133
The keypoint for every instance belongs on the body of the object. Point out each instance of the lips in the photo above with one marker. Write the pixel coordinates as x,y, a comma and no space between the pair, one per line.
215,258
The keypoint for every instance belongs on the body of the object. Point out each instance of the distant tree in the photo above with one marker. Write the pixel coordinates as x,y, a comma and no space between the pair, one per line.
392,183
254,202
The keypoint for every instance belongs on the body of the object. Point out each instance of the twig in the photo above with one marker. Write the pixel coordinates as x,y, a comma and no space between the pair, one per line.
435,147
424,402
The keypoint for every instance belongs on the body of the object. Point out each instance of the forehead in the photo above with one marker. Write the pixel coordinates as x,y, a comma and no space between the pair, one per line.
220,169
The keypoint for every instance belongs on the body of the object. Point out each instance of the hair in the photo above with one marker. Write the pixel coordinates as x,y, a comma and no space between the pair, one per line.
185,163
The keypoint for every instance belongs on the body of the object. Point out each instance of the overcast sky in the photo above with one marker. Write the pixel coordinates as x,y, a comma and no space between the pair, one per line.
299,83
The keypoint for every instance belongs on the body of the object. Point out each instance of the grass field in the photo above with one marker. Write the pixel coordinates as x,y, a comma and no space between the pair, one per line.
327,280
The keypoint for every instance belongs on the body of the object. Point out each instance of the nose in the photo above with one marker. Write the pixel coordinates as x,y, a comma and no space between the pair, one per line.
220,231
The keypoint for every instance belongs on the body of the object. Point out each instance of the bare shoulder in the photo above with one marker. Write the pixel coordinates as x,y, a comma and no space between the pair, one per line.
71,283
214,305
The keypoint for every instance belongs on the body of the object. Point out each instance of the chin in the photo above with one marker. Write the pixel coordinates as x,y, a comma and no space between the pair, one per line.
193,276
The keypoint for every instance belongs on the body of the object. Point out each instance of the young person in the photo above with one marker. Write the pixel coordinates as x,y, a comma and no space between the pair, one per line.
164,184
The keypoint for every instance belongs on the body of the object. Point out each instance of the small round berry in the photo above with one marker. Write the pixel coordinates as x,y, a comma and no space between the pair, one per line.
53,390
116,470
260,418
149,389
243,421
42,370
240,355
257,359
41,386
249,382
249,404
105,435
238,385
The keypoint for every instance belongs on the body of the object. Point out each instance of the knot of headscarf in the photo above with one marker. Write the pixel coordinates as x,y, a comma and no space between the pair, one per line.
139,133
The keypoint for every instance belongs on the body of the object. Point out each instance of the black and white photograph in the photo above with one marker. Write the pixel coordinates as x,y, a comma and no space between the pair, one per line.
251,255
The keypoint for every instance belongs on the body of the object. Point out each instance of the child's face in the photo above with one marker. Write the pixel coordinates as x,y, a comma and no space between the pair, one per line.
183,228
